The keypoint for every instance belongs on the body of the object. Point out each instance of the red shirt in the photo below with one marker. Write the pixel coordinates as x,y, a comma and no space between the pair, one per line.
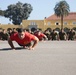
39,36
27,39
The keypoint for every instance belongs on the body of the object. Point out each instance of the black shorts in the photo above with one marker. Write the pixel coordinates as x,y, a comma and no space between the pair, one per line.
28,45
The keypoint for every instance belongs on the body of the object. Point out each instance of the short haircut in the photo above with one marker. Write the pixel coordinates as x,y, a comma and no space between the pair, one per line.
20,30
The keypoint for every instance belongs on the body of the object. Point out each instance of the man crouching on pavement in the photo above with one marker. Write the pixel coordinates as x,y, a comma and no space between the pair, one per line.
23,39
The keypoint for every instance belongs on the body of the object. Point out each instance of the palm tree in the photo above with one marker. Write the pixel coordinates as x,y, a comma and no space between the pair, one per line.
62,9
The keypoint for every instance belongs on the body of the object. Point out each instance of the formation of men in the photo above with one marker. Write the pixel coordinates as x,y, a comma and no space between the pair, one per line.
24,37
47,34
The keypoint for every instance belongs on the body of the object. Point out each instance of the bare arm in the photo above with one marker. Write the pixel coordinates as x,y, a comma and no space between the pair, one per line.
11,43
35,43
45,37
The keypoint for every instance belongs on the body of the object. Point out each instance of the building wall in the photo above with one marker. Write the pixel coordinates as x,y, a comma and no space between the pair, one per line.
43,24
52,24
39,23
6,26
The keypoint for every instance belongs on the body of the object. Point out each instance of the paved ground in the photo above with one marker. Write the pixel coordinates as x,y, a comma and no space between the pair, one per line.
48,58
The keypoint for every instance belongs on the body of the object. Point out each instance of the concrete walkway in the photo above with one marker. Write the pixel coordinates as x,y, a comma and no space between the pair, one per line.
48,58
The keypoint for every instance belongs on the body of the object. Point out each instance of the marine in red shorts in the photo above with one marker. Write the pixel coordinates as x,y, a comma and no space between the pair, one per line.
23,39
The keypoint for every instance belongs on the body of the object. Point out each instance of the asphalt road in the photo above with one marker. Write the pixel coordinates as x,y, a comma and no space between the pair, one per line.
48,58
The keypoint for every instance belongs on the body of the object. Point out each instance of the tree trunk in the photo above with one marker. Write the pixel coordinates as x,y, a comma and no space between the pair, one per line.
61,21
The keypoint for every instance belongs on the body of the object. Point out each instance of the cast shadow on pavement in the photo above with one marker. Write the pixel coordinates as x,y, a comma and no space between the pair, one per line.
17,48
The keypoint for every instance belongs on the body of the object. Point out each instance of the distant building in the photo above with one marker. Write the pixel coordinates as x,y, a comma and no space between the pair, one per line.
52,22
33,24
68,21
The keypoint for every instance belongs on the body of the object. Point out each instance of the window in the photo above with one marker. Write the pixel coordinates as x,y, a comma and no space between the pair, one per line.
56,23
74,23
65,23
33,23
48,23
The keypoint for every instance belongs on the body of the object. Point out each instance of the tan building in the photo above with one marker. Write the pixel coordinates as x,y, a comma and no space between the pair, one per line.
6,26
52,22
55,22
33,24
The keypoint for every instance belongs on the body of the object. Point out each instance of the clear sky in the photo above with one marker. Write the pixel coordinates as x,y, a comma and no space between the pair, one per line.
41,8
